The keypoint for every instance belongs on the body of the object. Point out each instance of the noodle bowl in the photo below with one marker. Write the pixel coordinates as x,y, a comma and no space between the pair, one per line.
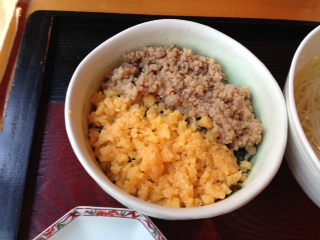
307,98
300,156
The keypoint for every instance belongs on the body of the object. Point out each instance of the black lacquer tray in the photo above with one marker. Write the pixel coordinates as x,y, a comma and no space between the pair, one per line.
53,45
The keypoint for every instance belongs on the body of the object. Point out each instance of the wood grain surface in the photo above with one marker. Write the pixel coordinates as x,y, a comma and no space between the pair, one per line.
307,10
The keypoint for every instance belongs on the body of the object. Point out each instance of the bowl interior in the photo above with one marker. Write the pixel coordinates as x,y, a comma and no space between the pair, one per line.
308,49
241,67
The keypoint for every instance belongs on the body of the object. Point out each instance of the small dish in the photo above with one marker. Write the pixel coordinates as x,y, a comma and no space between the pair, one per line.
97,223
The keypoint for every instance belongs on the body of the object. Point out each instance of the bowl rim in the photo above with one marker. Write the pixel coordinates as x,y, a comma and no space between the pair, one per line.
297,131
150,209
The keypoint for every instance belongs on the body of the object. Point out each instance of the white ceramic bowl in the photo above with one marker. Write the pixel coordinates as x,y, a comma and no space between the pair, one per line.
301,159
241,67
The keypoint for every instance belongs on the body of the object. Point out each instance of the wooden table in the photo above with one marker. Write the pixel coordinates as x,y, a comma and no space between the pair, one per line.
40,177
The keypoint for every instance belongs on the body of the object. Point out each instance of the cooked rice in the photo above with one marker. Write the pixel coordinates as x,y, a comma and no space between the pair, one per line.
165,127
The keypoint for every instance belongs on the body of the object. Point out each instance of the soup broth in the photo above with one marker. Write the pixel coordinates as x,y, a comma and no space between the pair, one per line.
307,98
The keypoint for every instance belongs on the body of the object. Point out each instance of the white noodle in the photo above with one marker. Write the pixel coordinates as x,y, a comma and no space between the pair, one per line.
307,98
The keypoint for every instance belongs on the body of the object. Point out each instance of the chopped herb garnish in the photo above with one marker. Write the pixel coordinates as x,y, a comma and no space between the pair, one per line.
241,155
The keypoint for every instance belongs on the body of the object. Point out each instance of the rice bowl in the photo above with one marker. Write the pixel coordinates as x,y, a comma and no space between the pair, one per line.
242,69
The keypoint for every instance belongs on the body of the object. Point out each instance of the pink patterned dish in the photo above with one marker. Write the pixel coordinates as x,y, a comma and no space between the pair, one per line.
97,223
